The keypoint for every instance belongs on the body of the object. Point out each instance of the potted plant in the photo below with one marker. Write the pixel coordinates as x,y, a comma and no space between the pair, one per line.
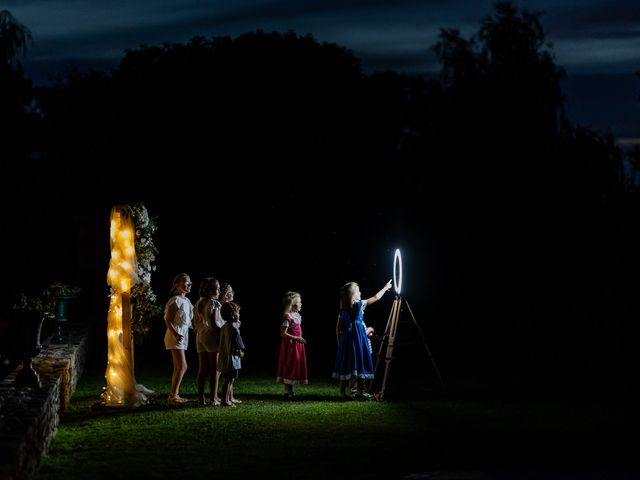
58,294
32,305
24,328
61,290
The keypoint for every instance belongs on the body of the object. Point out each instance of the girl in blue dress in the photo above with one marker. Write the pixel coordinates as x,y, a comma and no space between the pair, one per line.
353,358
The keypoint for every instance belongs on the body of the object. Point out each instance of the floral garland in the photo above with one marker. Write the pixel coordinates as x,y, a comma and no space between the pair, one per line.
144,305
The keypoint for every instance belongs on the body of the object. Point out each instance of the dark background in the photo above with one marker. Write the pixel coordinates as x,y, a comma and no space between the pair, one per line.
272,162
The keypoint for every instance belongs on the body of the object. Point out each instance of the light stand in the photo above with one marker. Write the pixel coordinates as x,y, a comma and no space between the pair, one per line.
389,338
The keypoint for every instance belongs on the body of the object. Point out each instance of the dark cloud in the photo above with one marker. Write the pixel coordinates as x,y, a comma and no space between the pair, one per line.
589,37
385,34
611,19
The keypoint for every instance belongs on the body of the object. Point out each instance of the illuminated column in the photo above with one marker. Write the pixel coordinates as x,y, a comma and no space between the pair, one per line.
121,384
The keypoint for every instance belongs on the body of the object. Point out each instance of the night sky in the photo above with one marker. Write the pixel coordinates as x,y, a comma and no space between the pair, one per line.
597,42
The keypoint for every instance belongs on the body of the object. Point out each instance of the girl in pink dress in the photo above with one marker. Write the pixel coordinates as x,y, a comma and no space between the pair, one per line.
292,363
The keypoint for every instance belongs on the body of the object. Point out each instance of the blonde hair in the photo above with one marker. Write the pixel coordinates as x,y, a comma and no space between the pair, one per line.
177,280
288,300
208,285
347,293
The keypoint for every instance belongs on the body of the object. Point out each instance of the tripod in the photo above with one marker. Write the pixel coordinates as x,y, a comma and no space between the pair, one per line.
389,340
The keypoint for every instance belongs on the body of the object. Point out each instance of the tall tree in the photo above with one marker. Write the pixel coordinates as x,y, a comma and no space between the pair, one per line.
505,73
14,38
16,93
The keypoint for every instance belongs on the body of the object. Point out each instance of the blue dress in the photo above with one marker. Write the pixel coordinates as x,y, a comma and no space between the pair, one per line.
353,358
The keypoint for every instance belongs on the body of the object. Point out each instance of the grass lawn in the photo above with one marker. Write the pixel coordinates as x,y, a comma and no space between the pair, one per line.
418,428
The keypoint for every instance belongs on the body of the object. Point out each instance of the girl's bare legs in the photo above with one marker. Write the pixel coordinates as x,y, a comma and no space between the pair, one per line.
204,370
343,388
179,369
228,393
214,375
234,399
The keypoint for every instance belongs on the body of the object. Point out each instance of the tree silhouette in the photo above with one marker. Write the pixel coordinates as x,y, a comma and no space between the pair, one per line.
16,93
504,77
503,94
14,38
215,101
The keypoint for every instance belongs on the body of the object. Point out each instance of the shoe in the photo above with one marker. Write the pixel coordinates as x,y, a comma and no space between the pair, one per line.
289,395
363,396
236,401
230,404
215,402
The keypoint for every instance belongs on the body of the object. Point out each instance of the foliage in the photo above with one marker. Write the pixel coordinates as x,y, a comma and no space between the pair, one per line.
18,111
143,299
46,302
59,289
34,304
508,65
144,308
14,38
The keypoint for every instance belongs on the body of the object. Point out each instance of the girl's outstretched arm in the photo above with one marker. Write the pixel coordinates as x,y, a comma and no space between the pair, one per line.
379,295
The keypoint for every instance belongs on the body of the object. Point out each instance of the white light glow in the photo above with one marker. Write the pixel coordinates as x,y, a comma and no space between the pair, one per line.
397,271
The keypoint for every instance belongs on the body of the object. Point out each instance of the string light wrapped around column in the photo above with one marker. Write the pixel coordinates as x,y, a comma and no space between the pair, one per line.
121,384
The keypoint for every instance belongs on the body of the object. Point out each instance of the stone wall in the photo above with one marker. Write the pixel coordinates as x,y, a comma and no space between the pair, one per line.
29,416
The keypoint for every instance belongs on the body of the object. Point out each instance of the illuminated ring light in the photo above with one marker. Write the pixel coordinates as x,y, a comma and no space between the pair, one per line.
397,271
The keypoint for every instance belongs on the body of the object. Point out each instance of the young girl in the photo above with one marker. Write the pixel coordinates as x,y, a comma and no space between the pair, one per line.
226,293
231,351
353,358
292,363
207,323
178,314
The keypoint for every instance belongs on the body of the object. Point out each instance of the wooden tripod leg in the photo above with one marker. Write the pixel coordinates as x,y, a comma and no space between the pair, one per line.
424,342
383,344
393,327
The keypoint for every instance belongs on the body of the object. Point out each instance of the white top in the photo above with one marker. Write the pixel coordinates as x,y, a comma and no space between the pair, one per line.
181,322
207,323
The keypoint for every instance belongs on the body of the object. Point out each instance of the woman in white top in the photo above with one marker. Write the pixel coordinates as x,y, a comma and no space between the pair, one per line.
178,315
207,323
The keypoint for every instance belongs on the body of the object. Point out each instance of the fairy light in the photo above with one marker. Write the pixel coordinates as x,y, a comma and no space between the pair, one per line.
121,276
